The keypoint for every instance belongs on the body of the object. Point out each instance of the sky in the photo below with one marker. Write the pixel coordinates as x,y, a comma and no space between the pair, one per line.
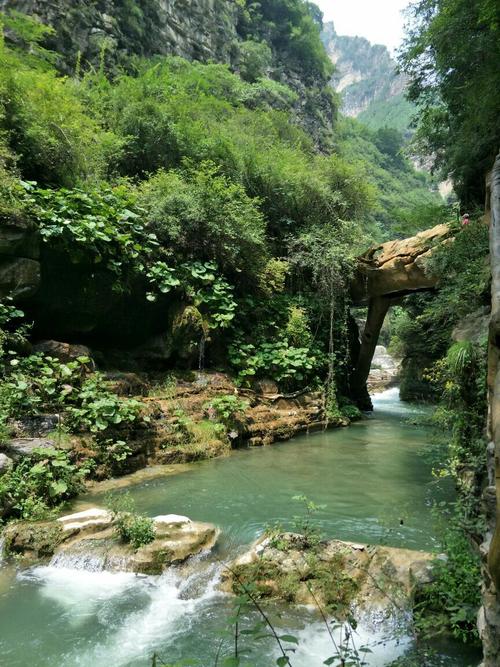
380,21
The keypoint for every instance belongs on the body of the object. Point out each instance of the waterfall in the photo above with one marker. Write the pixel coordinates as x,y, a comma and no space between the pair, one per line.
78,561
142,612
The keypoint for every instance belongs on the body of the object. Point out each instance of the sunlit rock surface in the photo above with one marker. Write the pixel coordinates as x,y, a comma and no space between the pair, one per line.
88,540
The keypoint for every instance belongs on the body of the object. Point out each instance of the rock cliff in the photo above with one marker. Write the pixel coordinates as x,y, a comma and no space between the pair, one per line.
110,31
194,29
367,79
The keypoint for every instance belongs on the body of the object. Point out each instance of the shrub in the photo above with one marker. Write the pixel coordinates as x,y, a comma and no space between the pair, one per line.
289,366
226,409
451,601
49,130
131,527
135,530
254,60
202,216
98,225
98,409
40,482
298,331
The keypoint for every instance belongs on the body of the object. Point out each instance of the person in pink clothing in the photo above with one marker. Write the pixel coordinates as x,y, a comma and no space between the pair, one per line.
465,219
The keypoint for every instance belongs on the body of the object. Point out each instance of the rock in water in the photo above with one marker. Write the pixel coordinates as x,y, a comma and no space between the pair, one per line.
89,540
379,582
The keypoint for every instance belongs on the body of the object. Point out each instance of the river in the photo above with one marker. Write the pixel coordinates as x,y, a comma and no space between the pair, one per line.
375,480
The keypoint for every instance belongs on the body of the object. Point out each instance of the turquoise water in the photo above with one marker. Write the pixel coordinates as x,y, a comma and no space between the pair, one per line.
377,487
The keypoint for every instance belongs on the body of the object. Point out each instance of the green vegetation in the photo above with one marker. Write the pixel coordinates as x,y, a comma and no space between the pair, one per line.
407,201
39,483
454,374
396,112
451,56
36,384
132,528
227,410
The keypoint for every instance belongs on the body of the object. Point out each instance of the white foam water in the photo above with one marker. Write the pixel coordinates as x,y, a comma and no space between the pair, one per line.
79,593
169,602
315,645
389,402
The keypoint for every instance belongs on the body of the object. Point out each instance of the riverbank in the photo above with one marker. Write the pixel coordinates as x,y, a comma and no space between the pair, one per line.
376,486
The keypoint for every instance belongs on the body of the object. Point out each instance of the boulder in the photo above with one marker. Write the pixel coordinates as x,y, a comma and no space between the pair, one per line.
19,277
19,237
88,520
21,447
35,426
65,352
266,387
126,384
89,540
474,327
6,464
337,575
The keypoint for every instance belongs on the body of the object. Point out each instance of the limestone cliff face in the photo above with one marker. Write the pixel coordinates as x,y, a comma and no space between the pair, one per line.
194,29
204,30
365,76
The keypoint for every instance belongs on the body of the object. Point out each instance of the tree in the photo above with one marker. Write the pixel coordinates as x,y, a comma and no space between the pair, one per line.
451,55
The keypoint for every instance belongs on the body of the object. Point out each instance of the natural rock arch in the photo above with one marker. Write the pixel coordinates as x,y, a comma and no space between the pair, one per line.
384,275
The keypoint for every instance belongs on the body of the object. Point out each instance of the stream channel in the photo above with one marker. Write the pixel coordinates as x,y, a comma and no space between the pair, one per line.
375,479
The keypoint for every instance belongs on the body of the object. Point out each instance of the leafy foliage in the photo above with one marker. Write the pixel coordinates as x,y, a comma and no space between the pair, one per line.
227,409
132,528
96,225
451,601
451,56
38,483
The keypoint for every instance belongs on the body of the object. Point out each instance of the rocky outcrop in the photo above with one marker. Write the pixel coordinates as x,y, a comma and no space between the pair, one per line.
335,575
385,274
88,540
398,267
269,416
6,463
489,617
19,448
194,29
19,258
65,352
365,73
474,327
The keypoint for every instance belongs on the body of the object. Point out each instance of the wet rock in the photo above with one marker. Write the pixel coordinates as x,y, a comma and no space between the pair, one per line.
65,352
19,277
21,447
89,540
88,520
338,575
6,464
32,540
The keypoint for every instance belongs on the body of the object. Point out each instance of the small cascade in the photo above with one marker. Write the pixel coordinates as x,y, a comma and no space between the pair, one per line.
2,549
71,560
